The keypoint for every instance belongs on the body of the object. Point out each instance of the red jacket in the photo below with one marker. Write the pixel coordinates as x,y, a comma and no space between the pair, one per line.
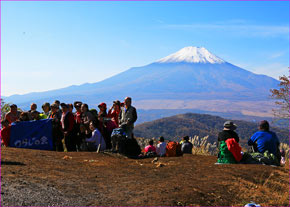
5,135
67,122
115,116
234,148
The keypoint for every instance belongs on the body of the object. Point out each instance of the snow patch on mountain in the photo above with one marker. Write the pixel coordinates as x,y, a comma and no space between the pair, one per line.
192,55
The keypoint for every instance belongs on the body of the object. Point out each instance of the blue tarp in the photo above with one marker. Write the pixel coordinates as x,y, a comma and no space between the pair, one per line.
32,134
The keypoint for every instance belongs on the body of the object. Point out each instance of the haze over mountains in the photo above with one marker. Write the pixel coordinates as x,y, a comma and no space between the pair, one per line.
191,78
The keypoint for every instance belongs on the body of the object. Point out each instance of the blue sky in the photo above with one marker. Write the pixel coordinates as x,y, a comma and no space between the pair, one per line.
51,45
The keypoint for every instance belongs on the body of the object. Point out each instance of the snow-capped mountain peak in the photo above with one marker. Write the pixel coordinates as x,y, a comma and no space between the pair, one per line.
192,55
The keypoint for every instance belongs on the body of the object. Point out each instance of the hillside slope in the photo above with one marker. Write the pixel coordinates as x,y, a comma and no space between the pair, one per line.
199,124
44,178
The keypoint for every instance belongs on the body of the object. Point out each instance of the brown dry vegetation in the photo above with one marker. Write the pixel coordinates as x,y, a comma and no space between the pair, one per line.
44,178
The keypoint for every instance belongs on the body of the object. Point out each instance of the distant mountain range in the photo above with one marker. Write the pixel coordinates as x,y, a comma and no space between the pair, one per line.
190,124
192,78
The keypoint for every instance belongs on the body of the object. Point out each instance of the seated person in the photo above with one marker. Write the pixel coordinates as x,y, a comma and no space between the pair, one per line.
150,147
161,147
96,139
5,132
186,146
264,139
228,132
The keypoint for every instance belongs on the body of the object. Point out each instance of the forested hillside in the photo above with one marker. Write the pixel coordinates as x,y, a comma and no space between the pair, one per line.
199,124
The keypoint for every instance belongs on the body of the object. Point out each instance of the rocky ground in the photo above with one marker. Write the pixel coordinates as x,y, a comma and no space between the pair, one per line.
44,178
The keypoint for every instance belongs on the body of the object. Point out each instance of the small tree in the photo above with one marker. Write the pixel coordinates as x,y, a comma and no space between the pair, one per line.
5,108
282,97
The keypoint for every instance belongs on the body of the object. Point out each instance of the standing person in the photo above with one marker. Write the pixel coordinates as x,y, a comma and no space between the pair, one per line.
24,116
228,132
161,147
57,102
128,117
87,116
13,115
114,112
78,122
186,146
67,124
105,124
33,107
101,117
264,140
46,109
70,108
56,128
103,109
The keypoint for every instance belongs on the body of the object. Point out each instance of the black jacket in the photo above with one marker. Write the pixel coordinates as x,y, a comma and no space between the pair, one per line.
226,134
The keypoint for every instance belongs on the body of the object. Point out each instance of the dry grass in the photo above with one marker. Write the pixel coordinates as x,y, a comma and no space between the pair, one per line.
201,146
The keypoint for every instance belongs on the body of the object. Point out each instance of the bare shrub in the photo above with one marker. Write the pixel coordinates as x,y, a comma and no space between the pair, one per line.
201,146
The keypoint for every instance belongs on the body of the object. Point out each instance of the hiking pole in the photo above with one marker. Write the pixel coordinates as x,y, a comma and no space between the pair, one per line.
99,146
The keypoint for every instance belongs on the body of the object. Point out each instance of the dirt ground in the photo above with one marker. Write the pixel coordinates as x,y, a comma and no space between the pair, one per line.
45,178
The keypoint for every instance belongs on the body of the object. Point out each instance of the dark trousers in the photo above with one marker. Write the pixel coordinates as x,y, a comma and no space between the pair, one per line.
57,139
70,143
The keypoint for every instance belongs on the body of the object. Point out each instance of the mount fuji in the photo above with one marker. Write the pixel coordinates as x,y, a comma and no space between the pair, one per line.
191,78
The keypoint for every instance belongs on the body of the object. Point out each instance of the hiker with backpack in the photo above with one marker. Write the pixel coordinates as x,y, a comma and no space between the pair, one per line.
161,147
230,152
228,132
186,146
128,117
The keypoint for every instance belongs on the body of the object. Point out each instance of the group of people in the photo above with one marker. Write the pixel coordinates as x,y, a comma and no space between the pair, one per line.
82,130
90,130
162,147
262,141
229,149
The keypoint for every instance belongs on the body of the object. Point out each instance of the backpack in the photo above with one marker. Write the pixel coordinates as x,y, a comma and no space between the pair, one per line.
260,158
234,148
171,149
225,156
129,147
178,149
125,146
